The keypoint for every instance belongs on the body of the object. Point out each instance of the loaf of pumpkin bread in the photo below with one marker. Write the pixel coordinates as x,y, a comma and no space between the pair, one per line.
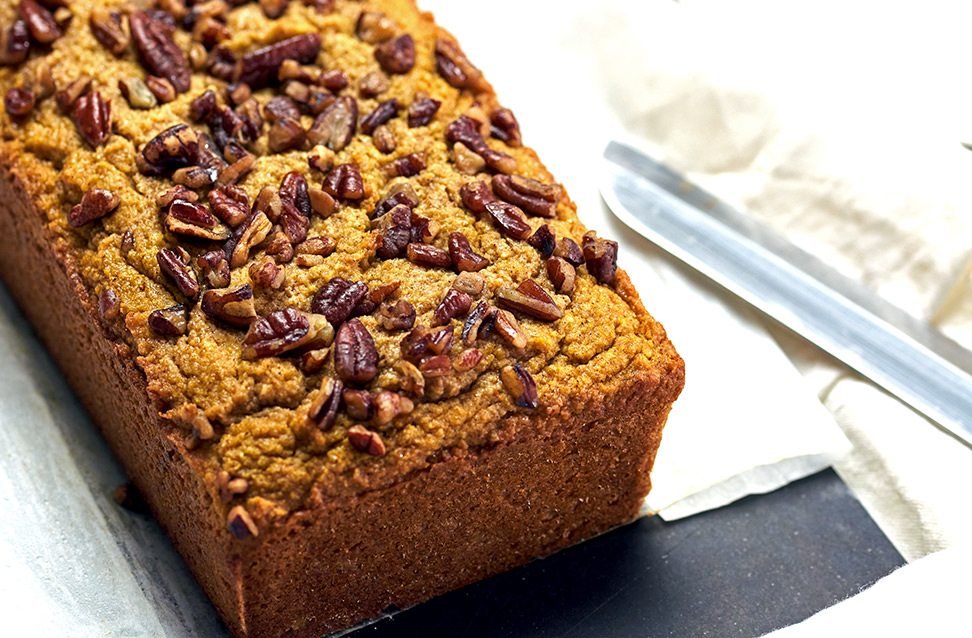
342,328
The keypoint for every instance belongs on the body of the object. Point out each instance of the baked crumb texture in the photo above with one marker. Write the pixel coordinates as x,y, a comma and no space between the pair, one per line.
344,330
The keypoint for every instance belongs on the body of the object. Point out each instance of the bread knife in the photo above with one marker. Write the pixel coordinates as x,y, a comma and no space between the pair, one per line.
907,357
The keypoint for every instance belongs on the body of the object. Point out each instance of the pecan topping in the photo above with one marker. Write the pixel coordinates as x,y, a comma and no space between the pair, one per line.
429,256
230,203
568,250
407,166
454,304
358,404
397,55
601,256
399,194
158,51
333,80
398,316
422,110
411,379
465,130
313,360
561,274
269,203
234,307
251,232
344,182
321,245
463,257
194,220
294,189
355,354
280,107
95,204
364,440
19,102
381,292
320,202
521,385
92,115
286,135
195,176
424,229
337,299
14,44
137,94
388,405
174,264
109,305
471,283
543,240
530,299
229,488
509,218
259,68
173,148
384,139
273,9
503,126
285,331
467,359
438,366
40,21
336,125
265,273
509,328
240,524
169,322
161,88
480,320
43,86
214,269
423,342
67,96
382,113
395,232
107,28
373,84
466,161
323,411
475,196
455,67
531,195
374,27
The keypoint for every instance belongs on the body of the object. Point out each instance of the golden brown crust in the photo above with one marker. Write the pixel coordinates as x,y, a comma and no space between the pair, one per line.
470,483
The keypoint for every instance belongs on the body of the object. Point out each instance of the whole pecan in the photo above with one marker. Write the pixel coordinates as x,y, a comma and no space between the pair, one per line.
521,385
173,148
169,322
337,298
355,354
344,182
529,194
259,68
108,29
293,223
14,44
92,115
174,264
463,257
234,307
195,177
396,55
158,51
324,409
40,21
285,331
601,256
438,366
530,299
95,204
336,125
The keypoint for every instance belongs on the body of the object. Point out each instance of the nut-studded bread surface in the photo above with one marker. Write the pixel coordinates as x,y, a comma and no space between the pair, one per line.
306,250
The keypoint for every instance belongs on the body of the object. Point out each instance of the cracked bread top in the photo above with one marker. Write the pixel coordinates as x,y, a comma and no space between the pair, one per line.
320,234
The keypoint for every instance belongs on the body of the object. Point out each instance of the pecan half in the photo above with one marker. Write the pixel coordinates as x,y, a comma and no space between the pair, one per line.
14,44
40,21
561,274
173,148
95,204
364,440
462,255
174,264
397,316
336,125
530,299
529,194
337,298
251,232
108,29
259,68
509,218
453,65
396,55
92,115
355,354
169,322
601,256
344,182
422,110
454,304
158,51
234,307
285,331
324,409
521,385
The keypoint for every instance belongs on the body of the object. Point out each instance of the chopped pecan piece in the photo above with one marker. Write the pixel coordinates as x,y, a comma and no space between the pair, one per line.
384,139
467,360
323,410
195,177
601,256
229,488
40,21
43,86
424,229
336,125
401,194
454,304
175,193
92,115
174,264
358,404
19,101
509,218
568,250
14,44
529,194
321,245
380,292
313,360
503,126
259,68
455,67
240,524
480,320
273,9
269,203
422,110
214,269
471,283
429,256
67,96
462,255
396,55
137,94
407,166
397,316
344,182
234,307
364,440
169,322
374,27
561,274
423,342
438,366
388,405
285,331
194,220
355,354
475,195
337,298
543,240
158,51
161,88
521,385
382,113
286,135
530,299
108,29
320,202
251,232
173,148
509,328
265,273
333,80
373,84
109,305
294,189
280,107
95,204
410,379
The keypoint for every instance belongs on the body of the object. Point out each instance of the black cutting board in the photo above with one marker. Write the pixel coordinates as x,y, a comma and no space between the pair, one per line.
763,562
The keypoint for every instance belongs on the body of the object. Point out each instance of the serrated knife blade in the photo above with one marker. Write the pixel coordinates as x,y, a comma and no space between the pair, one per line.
907,357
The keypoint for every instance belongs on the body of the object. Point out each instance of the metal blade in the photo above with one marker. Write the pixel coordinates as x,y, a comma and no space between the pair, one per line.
907,357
